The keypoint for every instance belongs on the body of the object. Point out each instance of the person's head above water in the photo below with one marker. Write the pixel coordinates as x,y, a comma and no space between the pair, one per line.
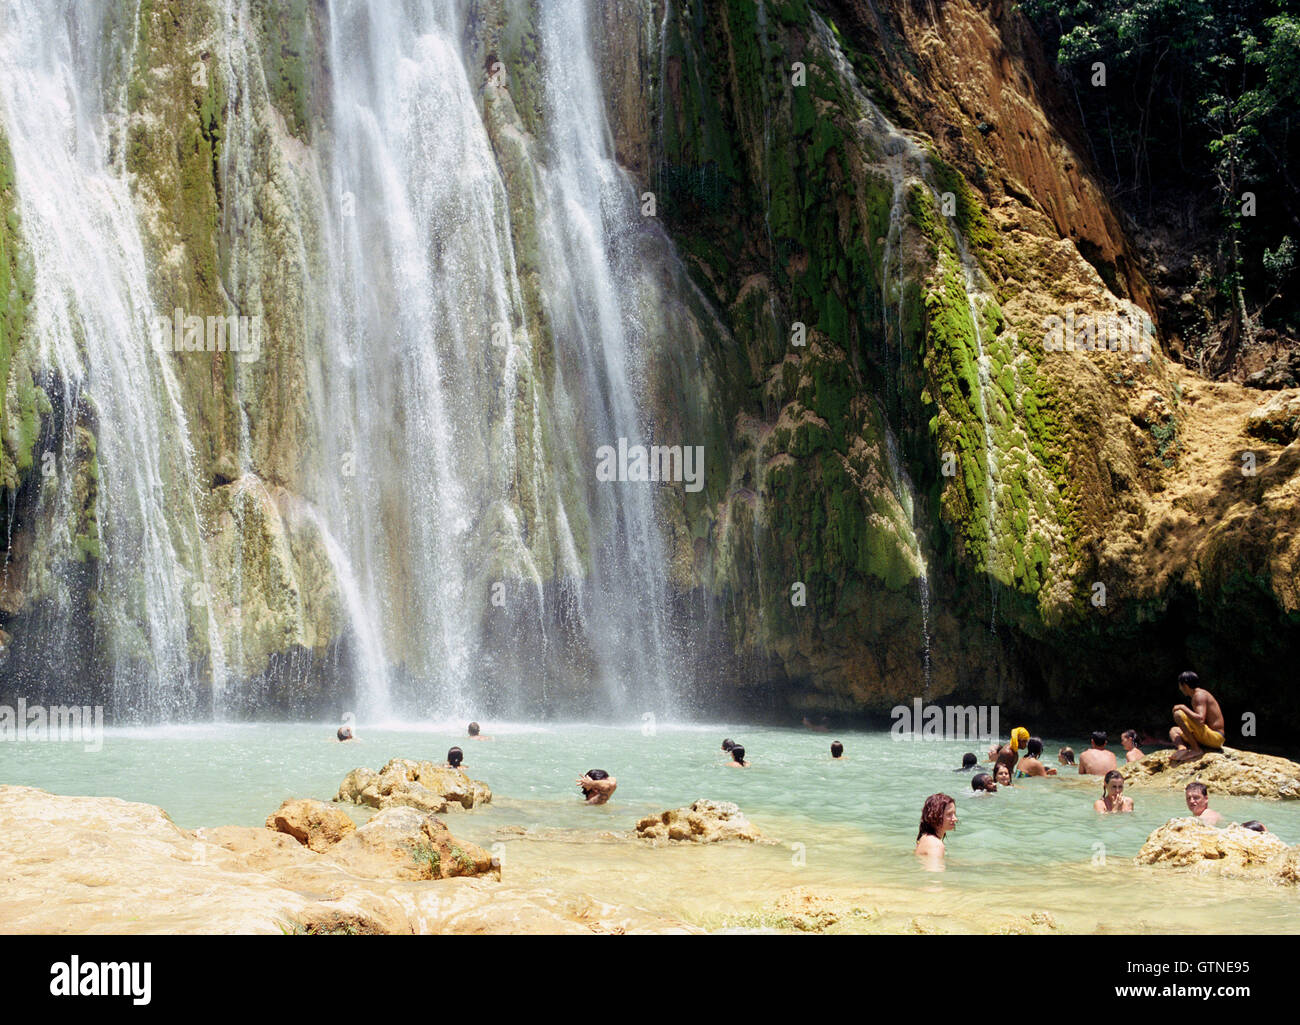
983,781
968,760
1113,775
728,744
473,729
1065,756
1035,747
1256,825
345,733
1002,774
596,774
1129,739
1197,795
1099,738
738,754
938,815
837,750
454,757
1019,738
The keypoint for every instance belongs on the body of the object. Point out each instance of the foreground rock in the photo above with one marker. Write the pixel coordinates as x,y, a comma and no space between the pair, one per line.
702,822
403,843
84,865
314,823
1232,772
1233,850
404,783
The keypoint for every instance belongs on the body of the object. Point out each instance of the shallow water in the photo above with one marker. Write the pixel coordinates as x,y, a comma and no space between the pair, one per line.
845,829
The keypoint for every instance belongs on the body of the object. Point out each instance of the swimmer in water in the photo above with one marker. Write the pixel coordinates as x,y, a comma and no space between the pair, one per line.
1132,753
738,758
1032,763
1197,795
938,817
475,732
1009,755
968,762
982,783
455,757
345,733
1002,775
1112,800
727,745
597,786
837,750
1065,756
1098,759
1256,825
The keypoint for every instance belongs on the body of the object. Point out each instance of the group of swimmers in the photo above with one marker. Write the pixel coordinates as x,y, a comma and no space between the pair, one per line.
1198,728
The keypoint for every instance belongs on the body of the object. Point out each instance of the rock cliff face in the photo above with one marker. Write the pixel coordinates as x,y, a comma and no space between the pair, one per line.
852,250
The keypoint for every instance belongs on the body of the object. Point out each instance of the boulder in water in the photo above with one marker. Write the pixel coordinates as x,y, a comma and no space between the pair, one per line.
702,822
1233,850
1232,772
313,823
422,785
404,843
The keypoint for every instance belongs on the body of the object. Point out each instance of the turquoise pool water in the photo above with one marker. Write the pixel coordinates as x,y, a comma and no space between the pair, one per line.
844,828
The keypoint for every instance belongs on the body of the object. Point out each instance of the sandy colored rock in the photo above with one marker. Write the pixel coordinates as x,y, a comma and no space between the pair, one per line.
86,865
1278,419
403,782
1232,772
1233,850
702,822
406,843
314,823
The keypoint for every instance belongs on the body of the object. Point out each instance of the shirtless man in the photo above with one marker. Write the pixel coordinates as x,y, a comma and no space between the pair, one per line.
597,786
1096,761
476,733
1132,753
1200,727
1009,754
1198,803
1032,763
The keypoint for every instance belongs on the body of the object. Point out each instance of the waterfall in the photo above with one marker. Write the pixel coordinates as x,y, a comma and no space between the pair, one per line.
91,322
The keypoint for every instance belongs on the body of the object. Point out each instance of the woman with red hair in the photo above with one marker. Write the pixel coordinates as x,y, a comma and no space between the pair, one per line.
938,816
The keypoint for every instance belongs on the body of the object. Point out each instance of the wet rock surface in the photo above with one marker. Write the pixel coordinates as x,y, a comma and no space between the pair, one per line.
702,822
403,782
1232,772
1232,850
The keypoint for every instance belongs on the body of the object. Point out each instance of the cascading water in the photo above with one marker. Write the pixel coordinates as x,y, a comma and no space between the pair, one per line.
91,323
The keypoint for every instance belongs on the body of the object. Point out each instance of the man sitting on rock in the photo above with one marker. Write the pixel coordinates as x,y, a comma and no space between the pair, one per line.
597,786
1097,761
1198,803
1200,728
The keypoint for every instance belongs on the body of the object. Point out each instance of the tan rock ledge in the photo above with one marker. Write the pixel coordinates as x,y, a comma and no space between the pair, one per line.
85,865
1233,850
404,782
702,822
1232,772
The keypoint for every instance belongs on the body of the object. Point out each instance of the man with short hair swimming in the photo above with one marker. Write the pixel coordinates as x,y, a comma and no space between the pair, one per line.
1132,753
1197,795
968,762
597,786
1112,800
982,783
475,732
1199,728
1097,761
837,750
